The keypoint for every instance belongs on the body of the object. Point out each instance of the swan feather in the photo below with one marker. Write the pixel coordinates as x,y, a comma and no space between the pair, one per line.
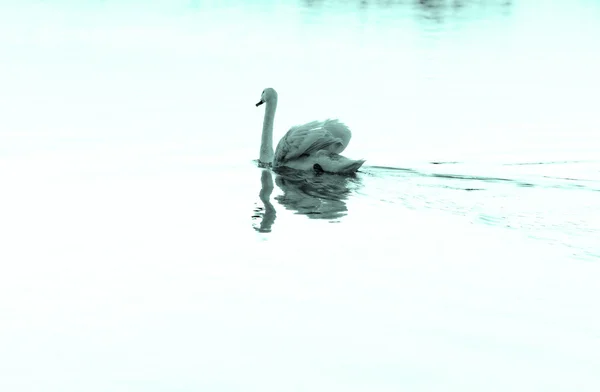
329,135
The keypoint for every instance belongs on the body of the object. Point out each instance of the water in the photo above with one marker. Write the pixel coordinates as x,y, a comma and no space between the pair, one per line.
143,249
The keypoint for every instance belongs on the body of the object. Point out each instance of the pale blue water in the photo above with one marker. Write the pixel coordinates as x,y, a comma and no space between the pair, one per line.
142,249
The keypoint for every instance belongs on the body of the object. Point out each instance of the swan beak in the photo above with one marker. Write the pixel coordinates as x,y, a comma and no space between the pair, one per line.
260,103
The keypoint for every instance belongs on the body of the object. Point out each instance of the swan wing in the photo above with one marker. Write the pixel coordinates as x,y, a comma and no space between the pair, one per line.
306,139
339,130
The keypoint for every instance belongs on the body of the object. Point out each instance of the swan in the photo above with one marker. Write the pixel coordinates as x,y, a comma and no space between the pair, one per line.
313,146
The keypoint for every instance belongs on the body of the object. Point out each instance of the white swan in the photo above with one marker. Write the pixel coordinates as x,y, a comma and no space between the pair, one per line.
313,146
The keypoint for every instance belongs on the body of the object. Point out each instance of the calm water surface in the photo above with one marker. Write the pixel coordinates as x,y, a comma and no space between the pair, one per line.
142,249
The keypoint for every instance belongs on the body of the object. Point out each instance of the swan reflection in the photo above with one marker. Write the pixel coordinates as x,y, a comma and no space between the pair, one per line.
316,195
267,213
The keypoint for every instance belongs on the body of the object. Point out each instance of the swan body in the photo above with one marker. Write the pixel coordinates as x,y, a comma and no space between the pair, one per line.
312,146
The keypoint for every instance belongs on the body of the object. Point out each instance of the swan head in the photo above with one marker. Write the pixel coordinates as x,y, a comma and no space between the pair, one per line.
268,95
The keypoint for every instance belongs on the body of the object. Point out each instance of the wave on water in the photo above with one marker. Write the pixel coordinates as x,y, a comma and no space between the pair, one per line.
558,203
546,179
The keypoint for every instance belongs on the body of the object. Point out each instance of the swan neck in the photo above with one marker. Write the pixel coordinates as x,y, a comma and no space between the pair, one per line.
266,145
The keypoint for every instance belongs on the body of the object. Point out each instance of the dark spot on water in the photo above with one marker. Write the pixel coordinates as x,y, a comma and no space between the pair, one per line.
566,178
544,163
401,169
466,177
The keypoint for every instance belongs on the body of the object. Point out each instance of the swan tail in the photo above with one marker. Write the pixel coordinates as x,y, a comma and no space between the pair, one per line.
353,166
334,163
